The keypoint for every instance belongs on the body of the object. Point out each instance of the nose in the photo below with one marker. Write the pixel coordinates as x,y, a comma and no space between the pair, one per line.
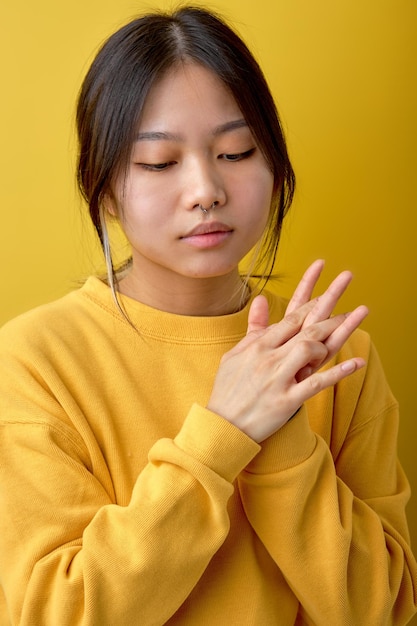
204,185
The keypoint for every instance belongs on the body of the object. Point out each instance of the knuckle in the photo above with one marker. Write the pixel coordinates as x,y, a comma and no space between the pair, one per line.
268,362
311,332
293,319
321,350
304,348
315,383
313,351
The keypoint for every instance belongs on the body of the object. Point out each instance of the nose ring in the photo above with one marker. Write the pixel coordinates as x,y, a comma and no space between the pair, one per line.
204,210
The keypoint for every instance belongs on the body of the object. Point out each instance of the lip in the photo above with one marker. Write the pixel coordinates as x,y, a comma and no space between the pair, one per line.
207,228
208,235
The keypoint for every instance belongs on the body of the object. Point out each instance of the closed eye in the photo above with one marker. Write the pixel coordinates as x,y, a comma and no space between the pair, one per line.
237,157
156,167
159,167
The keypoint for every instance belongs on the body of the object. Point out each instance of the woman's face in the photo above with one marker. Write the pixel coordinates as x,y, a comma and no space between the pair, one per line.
192,148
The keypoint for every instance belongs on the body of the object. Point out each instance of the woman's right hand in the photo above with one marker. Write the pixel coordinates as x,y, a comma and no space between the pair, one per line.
268,375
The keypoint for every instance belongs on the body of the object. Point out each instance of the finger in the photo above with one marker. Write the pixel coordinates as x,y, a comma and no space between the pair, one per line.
323,379
275,335
258,317
301,356
305,287
321,331
339,336
329,334
318,332
281,332
325,304
342,330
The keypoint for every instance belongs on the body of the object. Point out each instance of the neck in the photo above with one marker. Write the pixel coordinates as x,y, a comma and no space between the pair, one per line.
220,295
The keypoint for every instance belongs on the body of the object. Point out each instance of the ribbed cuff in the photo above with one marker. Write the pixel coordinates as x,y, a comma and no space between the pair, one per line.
216,443
288,447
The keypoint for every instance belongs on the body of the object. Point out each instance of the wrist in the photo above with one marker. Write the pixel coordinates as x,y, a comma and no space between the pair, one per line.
288,447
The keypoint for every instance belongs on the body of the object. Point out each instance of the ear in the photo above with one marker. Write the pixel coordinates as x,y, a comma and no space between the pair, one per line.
109,205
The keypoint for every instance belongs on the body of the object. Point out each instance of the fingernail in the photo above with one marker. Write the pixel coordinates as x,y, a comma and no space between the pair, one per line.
349,366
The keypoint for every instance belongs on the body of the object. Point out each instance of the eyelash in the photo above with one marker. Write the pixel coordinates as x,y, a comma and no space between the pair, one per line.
231,158
237,157
157,167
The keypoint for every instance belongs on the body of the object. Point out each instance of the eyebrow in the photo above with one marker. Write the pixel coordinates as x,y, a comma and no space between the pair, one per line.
229,126
164,136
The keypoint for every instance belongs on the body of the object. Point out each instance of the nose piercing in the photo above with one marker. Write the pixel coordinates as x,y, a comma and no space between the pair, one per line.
204,210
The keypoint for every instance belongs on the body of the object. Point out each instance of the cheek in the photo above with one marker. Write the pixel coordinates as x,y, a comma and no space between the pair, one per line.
136,209
263,200
139,225
258,197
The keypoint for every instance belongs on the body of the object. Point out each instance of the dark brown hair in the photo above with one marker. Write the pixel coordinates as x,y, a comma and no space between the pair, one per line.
128,64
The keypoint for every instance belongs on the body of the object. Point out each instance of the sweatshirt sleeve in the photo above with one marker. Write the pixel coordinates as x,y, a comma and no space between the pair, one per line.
70,556
332,513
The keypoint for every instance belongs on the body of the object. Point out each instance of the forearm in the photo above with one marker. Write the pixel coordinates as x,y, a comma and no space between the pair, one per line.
95,562
346,559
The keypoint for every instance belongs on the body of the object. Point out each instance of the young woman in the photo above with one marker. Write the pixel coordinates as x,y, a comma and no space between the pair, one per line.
177,447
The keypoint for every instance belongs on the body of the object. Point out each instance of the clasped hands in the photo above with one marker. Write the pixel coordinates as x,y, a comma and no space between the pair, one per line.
270,373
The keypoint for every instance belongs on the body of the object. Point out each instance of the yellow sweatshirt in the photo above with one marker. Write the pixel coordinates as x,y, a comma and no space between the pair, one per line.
124,502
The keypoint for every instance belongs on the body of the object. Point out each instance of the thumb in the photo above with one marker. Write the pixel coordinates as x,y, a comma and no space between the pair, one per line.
258,314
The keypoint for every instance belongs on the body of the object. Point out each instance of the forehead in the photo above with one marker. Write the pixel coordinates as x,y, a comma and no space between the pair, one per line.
188,94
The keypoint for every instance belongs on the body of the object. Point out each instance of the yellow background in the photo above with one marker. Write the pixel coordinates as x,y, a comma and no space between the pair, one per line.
344,76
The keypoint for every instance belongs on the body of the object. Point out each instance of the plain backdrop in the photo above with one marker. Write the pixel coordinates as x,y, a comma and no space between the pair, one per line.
343,73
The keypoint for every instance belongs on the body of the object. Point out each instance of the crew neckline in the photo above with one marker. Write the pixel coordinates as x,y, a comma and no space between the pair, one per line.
153,322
